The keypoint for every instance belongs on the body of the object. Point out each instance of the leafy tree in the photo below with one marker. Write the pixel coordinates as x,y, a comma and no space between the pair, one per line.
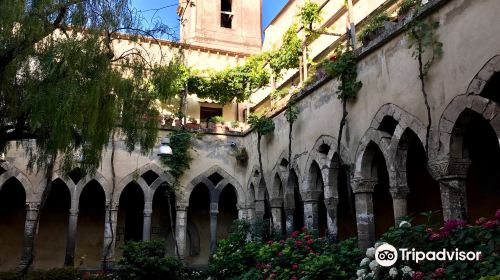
65,89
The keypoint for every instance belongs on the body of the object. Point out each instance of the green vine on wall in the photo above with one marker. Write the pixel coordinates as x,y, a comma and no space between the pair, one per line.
292,112
343,66
179,161
426,49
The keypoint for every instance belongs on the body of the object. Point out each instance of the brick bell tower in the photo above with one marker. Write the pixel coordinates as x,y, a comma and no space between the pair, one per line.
230,25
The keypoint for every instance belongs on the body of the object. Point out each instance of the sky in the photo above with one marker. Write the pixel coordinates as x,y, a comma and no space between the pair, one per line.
164,11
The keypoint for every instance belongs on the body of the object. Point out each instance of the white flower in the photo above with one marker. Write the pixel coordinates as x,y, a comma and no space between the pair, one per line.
407,270
364,262
404,224
370,252
360,273
373,265
393,272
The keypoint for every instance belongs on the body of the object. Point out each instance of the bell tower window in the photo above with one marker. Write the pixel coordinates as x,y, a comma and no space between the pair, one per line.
226,14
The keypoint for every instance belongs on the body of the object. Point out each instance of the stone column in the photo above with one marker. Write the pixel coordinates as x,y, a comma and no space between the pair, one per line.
399,195
260,209
277,214
214,210
110,232
289,221
251,213
310,199
451,175
180,230
69,259
363,196
146,227
242,213
331,210
30,232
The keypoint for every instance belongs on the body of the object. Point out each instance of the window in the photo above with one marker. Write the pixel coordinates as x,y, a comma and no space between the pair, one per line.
207,112
226,14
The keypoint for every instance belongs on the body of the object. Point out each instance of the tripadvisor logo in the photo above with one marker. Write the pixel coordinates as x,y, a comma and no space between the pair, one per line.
387,255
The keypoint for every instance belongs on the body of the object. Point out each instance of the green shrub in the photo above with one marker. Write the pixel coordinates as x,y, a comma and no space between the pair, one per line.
146,260
406,6
373,25
216,119
65,273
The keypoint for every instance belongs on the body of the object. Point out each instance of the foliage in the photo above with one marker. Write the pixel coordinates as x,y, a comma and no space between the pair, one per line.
235,124
262,124
292,110
178,162
303,256
66,273
236,83
343,67
242,155
483,236
309,14
373,25
216,119
423,41
68,91
407,5
288,56
146,260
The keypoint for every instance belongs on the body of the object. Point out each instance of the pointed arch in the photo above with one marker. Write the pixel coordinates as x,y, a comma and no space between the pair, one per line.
12,171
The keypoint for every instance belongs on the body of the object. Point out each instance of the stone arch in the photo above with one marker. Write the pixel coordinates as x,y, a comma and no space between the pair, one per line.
492,66
68,182
12,171
133,177
279,176
449,145
99,178
364,155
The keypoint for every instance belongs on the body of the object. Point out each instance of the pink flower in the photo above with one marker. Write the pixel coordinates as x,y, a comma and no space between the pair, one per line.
272,275
497,214
310,242
490,224
298,243
304,229
269,242
453,224
282,242
295,233
440,271
418,275
295,266
307,236
435,236
268,266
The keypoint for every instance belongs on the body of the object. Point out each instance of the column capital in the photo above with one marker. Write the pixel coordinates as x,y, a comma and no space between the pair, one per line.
112,206
451,168
276,202
32,206
311,195
73,212
399,192
331,202
181,206
363,185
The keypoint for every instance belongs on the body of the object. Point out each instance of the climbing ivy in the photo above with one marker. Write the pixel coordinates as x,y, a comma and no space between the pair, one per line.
426,49
287,57
178,162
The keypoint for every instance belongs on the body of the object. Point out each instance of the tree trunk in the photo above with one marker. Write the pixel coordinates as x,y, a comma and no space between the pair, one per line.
31,231
105,259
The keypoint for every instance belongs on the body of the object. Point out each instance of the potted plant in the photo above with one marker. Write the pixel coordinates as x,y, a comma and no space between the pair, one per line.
168,119
192,123
374,27
241,155
217,122
407,9
234,126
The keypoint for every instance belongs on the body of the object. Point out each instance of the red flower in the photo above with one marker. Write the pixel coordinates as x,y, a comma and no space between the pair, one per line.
298,243
282,242
333,58
304,228
307,236
295,233
439,271
310,242
418,275
295,266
